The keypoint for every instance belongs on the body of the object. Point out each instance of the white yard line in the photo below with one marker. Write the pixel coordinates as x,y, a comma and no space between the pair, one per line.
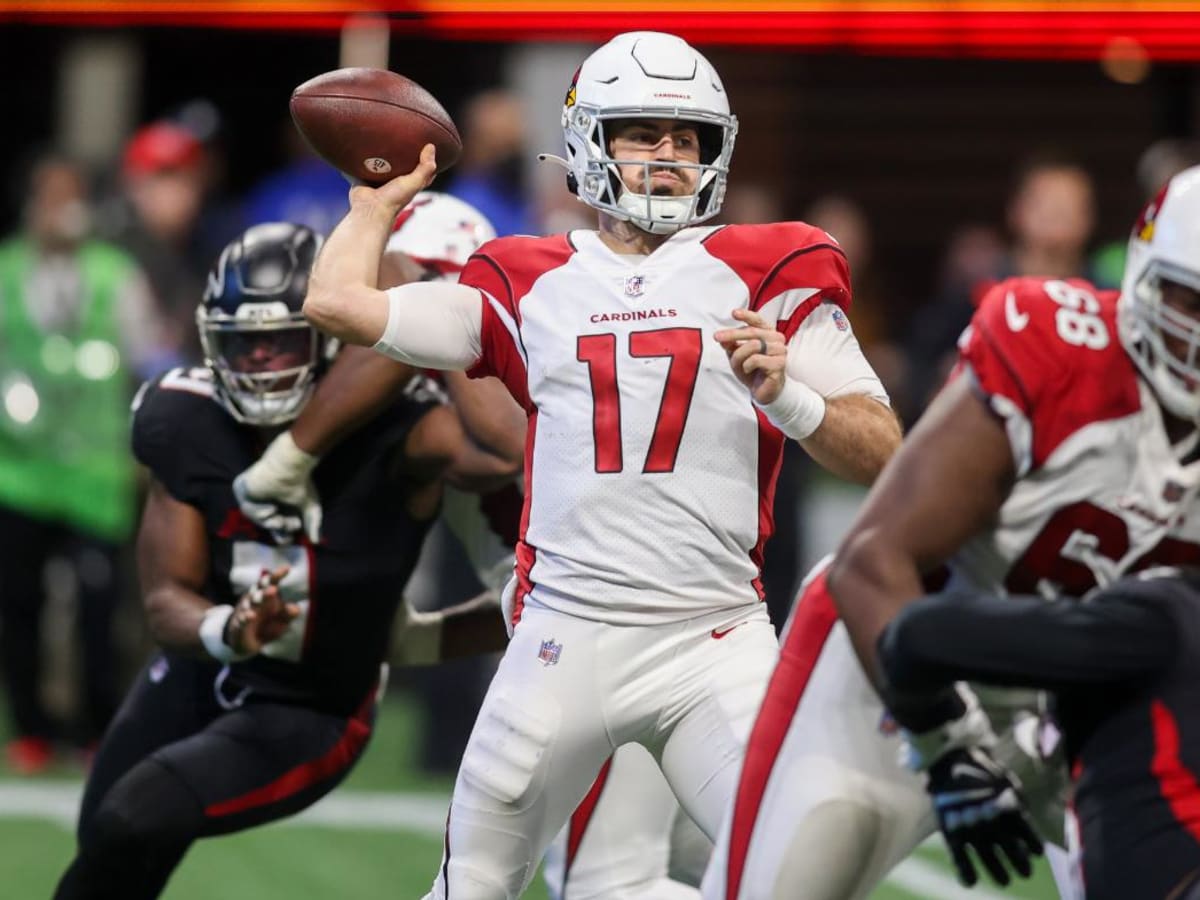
58,802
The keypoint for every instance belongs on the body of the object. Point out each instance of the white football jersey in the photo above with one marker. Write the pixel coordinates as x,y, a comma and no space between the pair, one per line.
649,472
1100,491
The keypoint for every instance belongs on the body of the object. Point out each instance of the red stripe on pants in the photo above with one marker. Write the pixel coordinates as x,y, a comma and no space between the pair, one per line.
1175,780
337,758
815,617
526,554
583,816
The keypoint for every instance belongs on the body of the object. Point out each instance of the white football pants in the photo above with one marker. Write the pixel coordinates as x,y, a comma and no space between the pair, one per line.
628,839
568,692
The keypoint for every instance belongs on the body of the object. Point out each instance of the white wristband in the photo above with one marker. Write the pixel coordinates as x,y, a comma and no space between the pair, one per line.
212,634
798,410
971,729
287,461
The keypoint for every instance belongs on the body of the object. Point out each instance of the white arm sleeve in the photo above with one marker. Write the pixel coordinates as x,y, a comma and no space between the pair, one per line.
825,355
434,325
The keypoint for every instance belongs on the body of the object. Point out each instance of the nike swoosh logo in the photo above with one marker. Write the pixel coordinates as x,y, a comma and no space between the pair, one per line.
717,635
1016,319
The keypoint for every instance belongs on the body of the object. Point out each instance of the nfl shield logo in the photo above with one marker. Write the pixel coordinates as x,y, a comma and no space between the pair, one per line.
549,652
635,285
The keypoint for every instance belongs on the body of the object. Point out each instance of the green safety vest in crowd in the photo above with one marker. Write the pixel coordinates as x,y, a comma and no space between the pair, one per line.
64,400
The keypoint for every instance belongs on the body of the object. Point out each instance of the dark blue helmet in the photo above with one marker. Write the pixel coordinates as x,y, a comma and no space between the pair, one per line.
265,355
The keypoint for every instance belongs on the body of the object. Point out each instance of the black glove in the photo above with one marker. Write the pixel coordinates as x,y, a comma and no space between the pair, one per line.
978,805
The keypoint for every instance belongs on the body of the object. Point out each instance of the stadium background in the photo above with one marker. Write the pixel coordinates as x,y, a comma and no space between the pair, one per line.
917,113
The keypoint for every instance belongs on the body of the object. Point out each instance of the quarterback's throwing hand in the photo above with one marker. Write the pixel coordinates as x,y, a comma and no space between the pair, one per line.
978,806
394,195
757,354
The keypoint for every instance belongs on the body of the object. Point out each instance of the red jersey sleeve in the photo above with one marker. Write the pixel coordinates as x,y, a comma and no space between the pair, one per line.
789,268
504,270
498,321
1046,356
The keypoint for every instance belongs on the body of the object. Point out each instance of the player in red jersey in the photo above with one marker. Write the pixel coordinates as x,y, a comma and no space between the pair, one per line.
661,365
1062,455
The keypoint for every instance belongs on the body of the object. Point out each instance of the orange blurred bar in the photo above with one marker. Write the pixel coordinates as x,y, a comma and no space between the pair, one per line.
987,28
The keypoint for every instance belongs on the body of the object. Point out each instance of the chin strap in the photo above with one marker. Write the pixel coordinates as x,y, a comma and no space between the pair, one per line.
654,226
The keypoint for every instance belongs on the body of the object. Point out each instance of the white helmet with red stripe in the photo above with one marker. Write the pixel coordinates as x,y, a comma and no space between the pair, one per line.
1163,341
440,232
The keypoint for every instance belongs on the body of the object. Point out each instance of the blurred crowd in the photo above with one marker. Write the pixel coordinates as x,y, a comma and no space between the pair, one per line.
99,286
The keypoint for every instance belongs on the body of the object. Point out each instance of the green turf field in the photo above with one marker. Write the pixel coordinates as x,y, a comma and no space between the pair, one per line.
379,836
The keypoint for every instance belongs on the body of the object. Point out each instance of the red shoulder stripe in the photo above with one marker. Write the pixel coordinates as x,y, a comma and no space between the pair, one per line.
834,283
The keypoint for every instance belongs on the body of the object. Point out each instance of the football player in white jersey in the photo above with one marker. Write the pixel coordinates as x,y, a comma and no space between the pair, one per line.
1061,455
629,833
661,364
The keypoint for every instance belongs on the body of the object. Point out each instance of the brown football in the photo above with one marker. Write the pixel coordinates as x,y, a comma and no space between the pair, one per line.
371,123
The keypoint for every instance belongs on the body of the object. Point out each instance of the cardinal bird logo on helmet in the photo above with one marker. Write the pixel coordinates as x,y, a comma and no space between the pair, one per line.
569,100
1143,228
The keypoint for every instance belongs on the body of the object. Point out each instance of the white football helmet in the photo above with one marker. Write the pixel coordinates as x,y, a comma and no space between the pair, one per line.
647,75
440,232
1165,246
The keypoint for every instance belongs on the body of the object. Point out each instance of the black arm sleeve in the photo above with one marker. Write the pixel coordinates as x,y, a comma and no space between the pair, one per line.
1025,642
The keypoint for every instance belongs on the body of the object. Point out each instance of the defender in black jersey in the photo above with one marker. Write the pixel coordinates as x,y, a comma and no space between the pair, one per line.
1124,668
263,697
